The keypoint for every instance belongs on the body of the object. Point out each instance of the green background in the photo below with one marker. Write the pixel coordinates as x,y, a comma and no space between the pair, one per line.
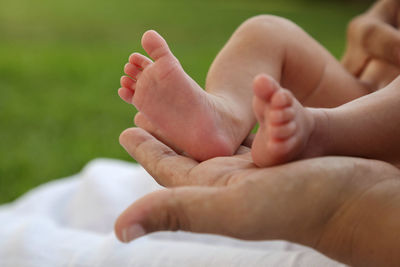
60,64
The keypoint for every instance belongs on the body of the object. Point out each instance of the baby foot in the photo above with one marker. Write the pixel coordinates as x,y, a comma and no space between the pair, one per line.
285,125
174,104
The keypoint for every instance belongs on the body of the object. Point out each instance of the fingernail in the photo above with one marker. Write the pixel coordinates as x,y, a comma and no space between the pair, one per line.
132,232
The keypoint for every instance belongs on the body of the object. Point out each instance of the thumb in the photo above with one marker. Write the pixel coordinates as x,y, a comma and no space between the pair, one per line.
195,209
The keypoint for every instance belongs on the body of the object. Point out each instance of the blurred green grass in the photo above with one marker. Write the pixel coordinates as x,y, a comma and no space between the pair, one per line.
60,64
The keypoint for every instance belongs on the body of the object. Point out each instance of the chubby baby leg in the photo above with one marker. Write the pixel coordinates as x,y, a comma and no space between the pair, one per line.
365,127
281,49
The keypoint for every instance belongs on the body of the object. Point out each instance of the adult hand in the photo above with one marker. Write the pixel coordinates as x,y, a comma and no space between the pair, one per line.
373,44
334,204
373,34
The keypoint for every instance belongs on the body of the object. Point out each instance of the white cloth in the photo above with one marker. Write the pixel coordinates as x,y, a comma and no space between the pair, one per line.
69,222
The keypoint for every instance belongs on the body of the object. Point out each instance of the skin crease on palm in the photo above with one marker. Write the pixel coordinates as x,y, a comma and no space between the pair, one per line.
346,208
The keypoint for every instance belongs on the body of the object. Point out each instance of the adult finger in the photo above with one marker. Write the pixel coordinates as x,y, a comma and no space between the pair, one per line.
370,37
165,165
382,41
194,209
355,60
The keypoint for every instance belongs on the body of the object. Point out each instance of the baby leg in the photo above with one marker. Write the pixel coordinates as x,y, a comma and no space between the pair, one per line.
215,122
366,127
278,47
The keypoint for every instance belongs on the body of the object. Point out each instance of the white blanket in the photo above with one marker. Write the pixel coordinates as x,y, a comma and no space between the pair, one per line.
69,222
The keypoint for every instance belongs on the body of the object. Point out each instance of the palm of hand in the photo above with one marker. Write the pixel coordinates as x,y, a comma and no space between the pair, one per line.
221,171
250,202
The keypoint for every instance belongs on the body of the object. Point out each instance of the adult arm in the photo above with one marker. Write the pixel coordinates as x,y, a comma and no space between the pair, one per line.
346,208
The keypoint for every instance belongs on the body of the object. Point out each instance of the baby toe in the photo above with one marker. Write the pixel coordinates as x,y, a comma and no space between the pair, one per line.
128,82
139,60
126,94
283,131
282,98
132,70
280,116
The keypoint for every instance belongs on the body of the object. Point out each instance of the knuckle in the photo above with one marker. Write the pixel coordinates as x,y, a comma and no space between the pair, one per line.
367,34
354,24
176,216
362,30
